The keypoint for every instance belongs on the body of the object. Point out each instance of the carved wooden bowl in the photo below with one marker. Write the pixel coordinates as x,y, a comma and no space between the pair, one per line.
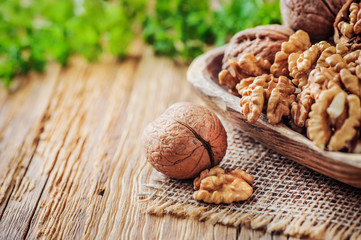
203,76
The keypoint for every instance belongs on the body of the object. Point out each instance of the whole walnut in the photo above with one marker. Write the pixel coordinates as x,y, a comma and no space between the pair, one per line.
186,139
262,41
315,17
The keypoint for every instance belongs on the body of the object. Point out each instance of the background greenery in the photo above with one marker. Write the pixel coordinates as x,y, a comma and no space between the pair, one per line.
33,32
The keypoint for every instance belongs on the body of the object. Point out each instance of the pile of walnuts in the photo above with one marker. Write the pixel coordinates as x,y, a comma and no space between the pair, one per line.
315,88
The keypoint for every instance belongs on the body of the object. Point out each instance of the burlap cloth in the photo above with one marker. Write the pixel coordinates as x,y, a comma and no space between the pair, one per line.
288,197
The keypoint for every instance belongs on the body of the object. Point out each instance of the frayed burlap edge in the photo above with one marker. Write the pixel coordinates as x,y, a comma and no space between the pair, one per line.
291,226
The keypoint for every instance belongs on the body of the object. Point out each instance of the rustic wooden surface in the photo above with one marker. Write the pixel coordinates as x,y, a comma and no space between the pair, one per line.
71,161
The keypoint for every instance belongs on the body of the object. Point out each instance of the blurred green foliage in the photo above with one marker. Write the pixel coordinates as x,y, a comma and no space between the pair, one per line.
33,32
183,28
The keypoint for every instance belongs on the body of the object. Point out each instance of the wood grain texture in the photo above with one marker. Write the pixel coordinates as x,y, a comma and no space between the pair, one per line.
71,159
203,76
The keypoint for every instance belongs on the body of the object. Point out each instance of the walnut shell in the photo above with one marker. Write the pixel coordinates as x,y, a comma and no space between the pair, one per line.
314,17
186,139
351,35
262,41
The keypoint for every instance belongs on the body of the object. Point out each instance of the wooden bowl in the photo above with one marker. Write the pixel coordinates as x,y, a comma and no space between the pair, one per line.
203,76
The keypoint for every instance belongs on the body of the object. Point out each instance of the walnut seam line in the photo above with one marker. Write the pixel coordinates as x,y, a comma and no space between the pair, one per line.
205,144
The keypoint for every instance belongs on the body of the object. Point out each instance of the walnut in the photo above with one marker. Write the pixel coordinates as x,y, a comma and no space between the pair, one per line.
330,122
311,55
315,17
301,108
226,78
321,62
219,186
299,78
281,98
247,66
350,81
186,139
297,42
254,91
337,111
349,68
341,49
318,126
262,41
352,57
319,79
300,64
334,67
336,62
347,25
347,131
275,93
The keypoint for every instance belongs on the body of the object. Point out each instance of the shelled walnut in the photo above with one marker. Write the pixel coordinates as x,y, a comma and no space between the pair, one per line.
334,119
318,126
254,91
347,25
340,49
219,186
280,100
300,64
347,131
319,79
274,94
298,42
349,68
247,66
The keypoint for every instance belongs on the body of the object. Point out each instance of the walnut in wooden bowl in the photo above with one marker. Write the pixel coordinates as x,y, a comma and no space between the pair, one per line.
203,76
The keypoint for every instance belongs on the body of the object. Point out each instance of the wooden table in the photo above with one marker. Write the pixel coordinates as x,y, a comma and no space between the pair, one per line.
71,161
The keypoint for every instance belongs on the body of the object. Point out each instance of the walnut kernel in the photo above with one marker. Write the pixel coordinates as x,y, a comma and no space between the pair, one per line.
219,186
247,66
298,42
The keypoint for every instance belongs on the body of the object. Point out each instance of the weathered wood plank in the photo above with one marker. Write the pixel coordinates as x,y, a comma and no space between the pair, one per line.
157,85
248,233
81,178
51,146
279,237
21,121
73,173
224,232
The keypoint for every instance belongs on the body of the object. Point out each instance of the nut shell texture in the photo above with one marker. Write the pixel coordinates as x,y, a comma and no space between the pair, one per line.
315,17
186,139
262,41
